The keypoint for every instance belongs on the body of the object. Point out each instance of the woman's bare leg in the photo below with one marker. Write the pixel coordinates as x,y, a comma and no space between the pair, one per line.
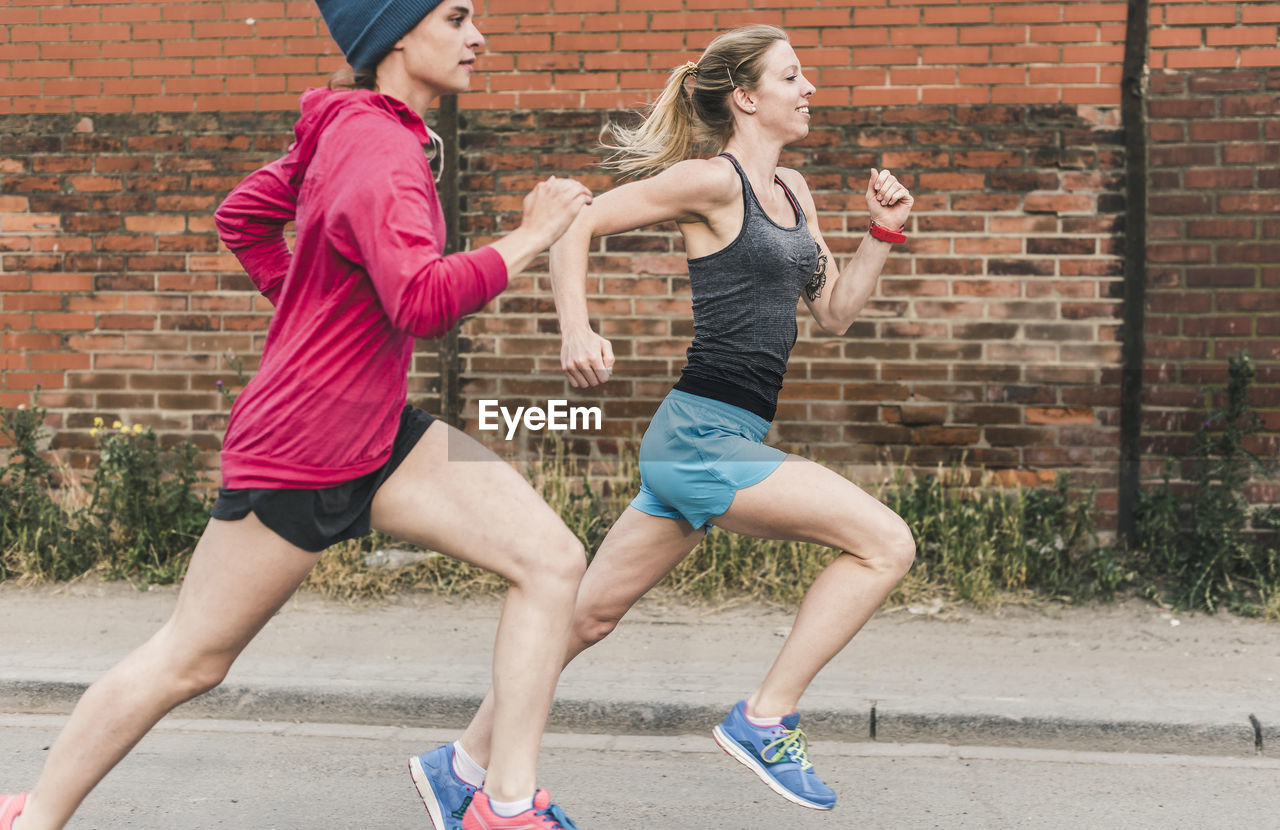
806,502
637,553
800,500
240,575
454,496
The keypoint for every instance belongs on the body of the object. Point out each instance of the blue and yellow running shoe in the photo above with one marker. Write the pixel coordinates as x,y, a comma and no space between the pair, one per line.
777,754
445,795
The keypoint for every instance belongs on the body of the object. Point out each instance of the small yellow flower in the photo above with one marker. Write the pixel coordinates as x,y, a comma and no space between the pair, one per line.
93,433
97,423
124,430
137,428
116,425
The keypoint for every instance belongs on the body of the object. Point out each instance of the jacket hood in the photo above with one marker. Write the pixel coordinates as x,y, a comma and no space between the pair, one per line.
321,107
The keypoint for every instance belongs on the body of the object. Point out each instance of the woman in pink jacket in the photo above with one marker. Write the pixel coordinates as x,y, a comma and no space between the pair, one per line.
320,445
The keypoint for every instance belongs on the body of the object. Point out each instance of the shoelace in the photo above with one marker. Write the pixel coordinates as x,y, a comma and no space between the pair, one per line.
794,744
558,818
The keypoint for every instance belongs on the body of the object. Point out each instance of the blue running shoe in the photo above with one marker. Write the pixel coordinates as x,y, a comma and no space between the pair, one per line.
445,795
777,755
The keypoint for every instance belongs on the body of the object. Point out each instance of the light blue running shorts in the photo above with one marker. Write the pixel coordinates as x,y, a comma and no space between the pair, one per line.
697,454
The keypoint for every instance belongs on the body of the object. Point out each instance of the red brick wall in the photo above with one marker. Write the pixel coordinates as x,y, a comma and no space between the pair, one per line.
193,56
993,334
1214,251
115,296
210,55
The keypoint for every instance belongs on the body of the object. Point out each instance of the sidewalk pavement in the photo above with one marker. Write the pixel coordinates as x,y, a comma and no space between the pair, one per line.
1130,677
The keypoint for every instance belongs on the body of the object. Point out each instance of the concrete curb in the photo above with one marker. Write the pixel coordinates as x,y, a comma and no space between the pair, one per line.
1234,735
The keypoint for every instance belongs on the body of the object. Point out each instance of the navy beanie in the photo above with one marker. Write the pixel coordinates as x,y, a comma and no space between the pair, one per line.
365,30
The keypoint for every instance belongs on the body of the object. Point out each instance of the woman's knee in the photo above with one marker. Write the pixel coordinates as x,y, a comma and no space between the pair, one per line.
593,626
205,674
898,547
890,548
189,670
553,562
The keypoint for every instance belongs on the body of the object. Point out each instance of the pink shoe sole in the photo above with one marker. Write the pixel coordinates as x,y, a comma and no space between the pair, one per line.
10,808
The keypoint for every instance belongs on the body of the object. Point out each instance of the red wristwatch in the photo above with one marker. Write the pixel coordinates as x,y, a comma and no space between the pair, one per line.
885,235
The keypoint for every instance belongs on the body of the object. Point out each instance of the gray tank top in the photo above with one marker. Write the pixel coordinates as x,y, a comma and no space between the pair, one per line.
744,307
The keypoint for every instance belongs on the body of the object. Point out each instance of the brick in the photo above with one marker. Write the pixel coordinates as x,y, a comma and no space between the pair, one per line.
1218,326
1177,38
953,14
1059,416
1229,81
951,54
1020,267
1249,203
1251,105
1201,59
36,34
982,201
1198,15
63,322
30,223
1026,95
1241,36
946,435
1060,245
1093,54
933,35
1225,131
1249,301
1220,179
1260,253
1221,277
1026,14
1178,204
1076,33
1181,108
1058,203
993,34
1115,12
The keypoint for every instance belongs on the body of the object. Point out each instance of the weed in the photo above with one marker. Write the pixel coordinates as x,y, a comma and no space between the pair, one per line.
36,537
145,508
1204,542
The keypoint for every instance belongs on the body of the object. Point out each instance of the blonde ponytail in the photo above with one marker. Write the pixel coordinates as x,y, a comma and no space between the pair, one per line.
682,123
667,134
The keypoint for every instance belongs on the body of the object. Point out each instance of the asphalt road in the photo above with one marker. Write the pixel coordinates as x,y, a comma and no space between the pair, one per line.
262,776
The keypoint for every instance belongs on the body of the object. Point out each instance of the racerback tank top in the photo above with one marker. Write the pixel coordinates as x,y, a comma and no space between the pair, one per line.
744,307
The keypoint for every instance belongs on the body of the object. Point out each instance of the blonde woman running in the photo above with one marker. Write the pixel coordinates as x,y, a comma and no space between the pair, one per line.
751,232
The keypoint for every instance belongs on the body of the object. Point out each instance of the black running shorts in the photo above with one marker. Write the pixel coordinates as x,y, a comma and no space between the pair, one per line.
317,518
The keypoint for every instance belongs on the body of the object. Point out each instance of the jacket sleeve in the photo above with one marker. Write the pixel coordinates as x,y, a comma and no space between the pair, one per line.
251,223
386,217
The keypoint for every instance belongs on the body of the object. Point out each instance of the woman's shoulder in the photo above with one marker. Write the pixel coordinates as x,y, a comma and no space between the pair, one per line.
793,179
711,179
376,129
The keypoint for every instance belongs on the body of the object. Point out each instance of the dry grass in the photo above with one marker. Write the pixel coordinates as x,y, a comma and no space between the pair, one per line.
978,542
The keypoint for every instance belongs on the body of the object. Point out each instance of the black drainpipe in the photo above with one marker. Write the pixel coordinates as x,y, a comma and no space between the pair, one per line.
1133,114
450,203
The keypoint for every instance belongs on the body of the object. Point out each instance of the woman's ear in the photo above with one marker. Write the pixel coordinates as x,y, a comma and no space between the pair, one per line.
744,100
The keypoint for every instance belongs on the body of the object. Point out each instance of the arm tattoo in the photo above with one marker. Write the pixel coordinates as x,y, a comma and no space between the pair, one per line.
813,289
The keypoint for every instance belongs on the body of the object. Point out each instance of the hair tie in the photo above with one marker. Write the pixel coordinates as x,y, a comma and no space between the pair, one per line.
690,68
